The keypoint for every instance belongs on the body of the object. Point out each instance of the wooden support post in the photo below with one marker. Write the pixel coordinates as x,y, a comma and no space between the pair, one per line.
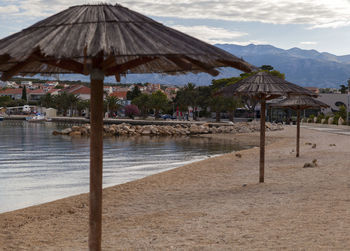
262,139
298,132
96,157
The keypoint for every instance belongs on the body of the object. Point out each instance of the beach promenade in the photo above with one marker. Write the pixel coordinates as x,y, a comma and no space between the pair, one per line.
215,204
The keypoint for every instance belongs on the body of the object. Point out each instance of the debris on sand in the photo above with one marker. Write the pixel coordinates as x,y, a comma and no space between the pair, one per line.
311,165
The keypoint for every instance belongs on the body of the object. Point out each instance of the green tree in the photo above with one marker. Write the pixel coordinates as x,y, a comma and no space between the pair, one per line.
17,102
343,89
266,67
82,105
217,104
47,101
66,101
231,104
130,95
342,111
204,98
112,104
159,101
24,93
187,96
143,102
4,101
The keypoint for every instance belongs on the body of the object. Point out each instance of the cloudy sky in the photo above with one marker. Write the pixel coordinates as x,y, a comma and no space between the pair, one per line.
312,24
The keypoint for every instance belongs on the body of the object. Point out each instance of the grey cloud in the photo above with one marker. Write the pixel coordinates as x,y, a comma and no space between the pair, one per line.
315,13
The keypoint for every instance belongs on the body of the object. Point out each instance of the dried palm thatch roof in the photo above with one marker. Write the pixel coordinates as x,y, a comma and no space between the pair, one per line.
263,83
300,102
128,42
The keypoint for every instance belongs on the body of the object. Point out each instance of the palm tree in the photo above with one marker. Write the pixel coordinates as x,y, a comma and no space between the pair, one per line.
112,104
47,101
217,104
231,104
65,101
73,100
187,96
82,105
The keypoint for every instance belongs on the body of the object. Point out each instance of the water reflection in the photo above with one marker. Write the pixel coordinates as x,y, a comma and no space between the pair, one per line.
36,166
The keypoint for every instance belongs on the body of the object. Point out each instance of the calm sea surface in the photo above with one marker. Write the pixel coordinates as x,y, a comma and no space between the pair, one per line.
37,167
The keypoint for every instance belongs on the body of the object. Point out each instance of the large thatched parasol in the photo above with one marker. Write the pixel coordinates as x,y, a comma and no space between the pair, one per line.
264,86
105,40
298,103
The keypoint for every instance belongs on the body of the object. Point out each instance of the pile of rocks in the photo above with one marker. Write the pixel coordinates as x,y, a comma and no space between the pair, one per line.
169,130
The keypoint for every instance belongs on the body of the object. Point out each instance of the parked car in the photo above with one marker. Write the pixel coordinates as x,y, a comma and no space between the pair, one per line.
168,116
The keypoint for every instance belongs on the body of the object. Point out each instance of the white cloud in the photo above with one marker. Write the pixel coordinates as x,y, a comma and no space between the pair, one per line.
209,34
256,42
9,9
308,43
315,13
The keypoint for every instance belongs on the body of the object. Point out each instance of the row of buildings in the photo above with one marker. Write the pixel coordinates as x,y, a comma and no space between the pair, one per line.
37,90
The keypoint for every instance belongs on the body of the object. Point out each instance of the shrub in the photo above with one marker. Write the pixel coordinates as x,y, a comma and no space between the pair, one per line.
311,117
336,118
327,118
342,112
131,111
319,118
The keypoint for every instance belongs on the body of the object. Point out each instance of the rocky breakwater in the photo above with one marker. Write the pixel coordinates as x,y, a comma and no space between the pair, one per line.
167,130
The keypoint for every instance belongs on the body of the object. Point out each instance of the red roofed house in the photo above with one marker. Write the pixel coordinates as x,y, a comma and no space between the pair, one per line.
35,95
81,91
53,91
12,93
119,94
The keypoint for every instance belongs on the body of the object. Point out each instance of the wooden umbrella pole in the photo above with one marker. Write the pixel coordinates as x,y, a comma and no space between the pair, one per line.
96,157
298,132
262,139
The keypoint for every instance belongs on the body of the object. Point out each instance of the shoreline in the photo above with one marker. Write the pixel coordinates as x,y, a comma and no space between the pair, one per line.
211,204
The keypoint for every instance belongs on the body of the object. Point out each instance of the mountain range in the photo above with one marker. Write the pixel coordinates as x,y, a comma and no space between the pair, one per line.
303,67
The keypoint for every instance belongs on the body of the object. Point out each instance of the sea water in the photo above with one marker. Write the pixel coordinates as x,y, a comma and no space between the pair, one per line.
38,167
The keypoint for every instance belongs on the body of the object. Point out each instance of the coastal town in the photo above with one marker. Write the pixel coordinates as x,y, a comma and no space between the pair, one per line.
39,95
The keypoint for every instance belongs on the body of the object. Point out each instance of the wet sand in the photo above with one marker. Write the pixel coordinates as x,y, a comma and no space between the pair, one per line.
215,204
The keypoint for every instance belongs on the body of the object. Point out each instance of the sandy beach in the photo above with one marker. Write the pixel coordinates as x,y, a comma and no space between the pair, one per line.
215,204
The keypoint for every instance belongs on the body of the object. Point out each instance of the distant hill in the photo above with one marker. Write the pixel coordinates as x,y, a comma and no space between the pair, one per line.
303,67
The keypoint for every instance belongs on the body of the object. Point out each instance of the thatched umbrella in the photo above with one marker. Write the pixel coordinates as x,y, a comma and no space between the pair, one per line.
298,103
264,86
106,40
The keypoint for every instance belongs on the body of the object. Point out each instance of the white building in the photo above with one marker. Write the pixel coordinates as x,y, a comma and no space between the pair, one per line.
334,100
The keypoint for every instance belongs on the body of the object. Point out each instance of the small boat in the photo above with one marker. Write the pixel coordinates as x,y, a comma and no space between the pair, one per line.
37,118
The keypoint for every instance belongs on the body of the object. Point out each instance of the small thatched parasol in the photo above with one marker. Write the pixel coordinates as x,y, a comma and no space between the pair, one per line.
263,86
299,103
106,40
